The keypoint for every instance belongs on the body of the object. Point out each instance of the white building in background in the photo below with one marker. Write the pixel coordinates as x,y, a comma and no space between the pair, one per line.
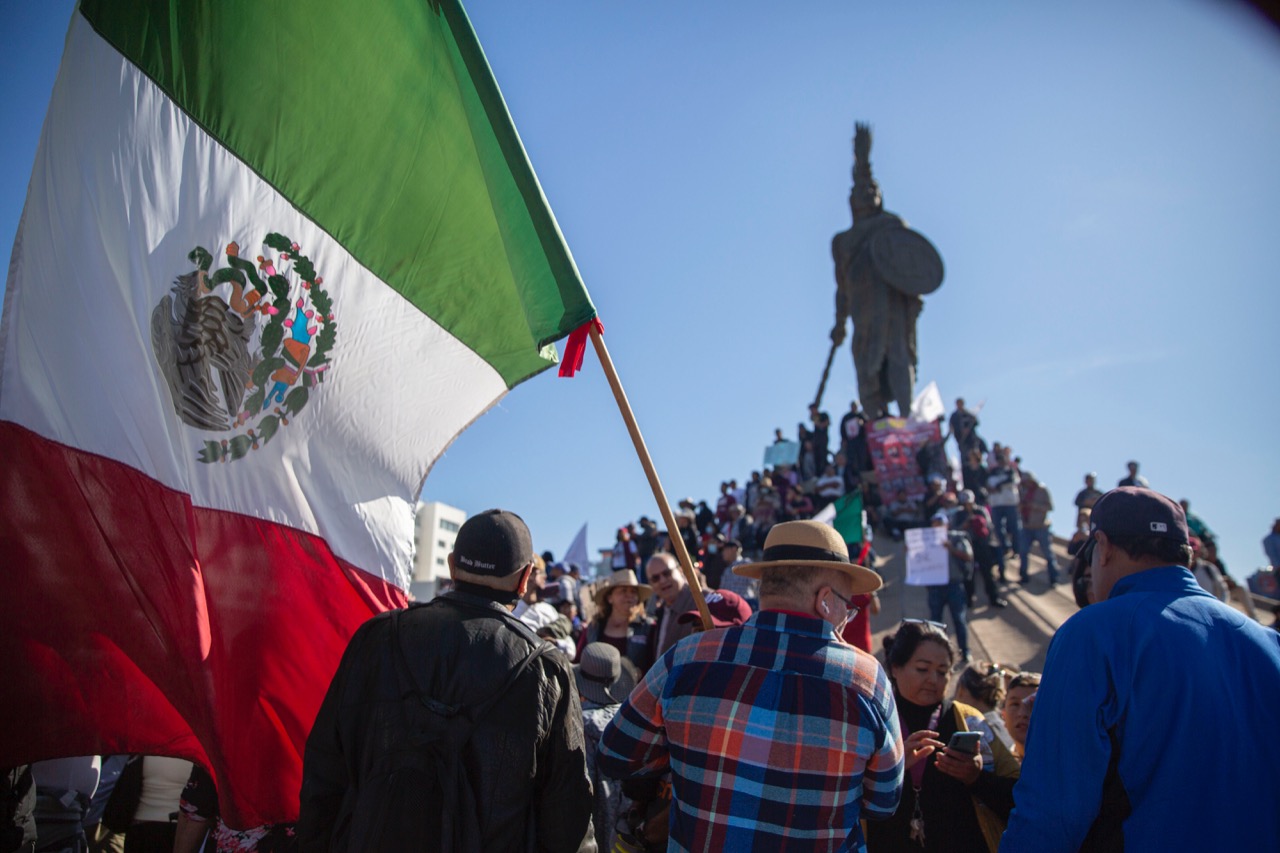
434,533
603,567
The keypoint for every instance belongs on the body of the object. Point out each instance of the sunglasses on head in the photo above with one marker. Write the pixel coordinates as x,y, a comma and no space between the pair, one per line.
941,626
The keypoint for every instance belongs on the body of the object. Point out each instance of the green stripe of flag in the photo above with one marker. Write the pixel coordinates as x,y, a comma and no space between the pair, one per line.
382,123
848,520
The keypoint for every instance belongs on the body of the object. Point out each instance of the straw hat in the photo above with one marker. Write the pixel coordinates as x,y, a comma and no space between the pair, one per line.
604,676
622,577
810,543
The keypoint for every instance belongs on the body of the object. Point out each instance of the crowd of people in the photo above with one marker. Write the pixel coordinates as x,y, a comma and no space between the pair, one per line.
1002,508
778,728
995,512
124,804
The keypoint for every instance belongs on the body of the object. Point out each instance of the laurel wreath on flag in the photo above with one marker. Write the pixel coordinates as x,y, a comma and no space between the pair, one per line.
288,367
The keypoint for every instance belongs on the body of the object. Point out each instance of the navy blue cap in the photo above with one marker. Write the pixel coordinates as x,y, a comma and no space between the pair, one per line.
1130,511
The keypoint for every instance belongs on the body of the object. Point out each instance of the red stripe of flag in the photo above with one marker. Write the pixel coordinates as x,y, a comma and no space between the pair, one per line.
134,621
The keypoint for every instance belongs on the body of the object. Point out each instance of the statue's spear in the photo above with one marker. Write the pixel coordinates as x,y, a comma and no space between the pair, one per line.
826,371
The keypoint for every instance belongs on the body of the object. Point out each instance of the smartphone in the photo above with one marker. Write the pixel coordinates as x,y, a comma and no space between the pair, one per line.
966,742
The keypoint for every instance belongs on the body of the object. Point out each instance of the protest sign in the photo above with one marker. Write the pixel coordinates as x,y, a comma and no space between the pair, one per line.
782,453
926,556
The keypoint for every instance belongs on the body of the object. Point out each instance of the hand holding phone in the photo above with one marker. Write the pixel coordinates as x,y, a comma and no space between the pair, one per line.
965,742
960,759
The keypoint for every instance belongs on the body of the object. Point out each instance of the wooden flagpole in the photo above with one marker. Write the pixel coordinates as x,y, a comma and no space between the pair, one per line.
673,532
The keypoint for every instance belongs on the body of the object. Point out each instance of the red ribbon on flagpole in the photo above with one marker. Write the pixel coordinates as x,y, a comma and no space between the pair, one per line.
576,346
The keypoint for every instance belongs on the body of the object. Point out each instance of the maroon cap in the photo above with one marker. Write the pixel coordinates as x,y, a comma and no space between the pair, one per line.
1131,512
727,608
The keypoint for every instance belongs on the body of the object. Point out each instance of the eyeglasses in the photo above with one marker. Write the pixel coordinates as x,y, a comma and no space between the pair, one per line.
941,626
657,576
853,609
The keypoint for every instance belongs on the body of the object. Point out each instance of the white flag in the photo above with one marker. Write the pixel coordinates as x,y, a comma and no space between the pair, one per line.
577,552
928,404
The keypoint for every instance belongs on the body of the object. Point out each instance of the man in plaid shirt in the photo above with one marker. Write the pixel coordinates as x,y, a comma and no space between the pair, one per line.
778,735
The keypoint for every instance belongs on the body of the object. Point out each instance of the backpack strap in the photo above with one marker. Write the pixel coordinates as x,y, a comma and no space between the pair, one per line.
482,708
404,678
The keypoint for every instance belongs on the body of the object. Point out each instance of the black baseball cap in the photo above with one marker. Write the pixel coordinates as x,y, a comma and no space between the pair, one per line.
1130,511
494,543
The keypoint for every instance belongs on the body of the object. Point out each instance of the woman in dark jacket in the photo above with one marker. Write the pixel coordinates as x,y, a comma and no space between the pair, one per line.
950,801
620,619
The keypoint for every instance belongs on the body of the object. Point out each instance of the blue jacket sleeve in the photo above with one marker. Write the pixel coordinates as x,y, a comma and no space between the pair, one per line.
1068,747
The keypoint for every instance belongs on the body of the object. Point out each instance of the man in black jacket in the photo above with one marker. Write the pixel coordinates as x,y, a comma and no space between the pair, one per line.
525,759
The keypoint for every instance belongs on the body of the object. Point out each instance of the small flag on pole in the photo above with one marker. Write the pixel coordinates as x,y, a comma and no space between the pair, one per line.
577,552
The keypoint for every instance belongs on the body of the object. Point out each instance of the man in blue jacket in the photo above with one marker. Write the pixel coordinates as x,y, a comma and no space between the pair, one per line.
1154,726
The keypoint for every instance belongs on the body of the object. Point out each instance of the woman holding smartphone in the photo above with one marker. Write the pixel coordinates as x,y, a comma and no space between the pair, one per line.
951,799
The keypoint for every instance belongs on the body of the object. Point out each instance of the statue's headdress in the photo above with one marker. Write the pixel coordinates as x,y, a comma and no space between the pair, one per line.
864,186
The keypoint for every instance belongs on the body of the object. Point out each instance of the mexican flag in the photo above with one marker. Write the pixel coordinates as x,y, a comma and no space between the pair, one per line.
274,258
847,519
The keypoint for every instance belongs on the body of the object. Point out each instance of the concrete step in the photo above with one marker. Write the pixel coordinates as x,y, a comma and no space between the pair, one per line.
1017,635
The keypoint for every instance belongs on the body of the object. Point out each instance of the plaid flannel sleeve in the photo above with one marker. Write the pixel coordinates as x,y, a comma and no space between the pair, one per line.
635,741
882,780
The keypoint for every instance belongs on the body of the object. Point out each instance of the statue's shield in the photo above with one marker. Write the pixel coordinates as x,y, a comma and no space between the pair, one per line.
907,260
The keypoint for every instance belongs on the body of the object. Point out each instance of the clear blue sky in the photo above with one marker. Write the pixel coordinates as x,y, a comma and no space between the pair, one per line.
1100,178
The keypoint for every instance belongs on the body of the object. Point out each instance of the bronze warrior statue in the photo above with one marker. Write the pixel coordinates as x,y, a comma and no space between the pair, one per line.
882,270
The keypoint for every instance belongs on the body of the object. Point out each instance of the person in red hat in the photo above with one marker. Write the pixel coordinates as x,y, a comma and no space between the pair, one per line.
727,609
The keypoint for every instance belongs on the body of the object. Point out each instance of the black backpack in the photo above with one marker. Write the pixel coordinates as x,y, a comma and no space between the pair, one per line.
416,794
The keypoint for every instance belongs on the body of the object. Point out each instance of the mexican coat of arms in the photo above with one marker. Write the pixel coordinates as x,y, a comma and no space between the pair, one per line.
244,346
